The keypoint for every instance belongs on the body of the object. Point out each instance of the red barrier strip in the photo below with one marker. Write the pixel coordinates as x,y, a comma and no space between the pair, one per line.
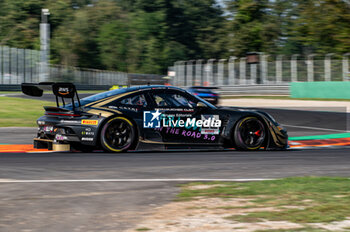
19,148
320,142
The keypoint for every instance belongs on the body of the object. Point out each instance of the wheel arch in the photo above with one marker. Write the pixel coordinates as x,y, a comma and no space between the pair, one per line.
98,136
232,126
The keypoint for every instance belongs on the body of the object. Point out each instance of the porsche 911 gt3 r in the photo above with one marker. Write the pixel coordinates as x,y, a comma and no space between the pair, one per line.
126,119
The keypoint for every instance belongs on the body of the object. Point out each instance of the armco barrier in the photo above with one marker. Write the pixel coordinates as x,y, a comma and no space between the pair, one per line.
10,88
321,89
254,90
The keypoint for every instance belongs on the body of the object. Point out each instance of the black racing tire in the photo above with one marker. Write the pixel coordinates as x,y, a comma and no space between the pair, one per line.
250,134
118,135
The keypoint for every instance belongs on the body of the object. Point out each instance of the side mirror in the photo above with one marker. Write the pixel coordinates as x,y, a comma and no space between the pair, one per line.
201,105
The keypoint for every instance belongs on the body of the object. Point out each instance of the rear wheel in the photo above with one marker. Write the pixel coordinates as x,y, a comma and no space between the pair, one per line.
249,134
118,135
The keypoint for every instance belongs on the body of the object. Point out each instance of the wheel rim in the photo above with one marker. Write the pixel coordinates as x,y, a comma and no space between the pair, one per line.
119,134
252,133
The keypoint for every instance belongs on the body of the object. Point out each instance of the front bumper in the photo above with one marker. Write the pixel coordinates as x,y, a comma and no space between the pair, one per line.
50,145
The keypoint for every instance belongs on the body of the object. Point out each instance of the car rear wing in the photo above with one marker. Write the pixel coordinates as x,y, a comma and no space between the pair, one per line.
62,90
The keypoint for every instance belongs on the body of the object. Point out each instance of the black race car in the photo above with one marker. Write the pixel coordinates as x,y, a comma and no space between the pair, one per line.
206,93
132,118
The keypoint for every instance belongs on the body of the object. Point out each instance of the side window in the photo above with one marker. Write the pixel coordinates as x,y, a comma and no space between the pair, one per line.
136,100
172,100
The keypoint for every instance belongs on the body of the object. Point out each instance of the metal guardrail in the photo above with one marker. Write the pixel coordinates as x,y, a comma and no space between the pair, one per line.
23,65
145,79
266,69
252,90
10,88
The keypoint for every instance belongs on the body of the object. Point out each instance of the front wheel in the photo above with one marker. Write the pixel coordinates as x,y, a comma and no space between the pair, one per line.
118,135
249,134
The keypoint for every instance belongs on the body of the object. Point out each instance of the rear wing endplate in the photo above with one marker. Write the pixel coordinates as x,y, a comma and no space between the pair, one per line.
62,90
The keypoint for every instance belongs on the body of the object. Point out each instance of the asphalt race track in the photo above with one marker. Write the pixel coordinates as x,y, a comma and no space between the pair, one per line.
111,195
112,192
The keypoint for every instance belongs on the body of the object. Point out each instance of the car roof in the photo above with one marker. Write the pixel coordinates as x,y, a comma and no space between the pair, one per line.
123,92
145,87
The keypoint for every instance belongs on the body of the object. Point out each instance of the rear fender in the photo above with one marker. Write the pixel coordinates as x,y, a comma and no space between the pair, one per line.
105,120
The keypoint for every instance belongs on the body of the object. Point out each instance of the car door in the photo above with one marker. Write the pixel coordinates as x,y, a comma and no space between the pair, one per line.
132,106
180,118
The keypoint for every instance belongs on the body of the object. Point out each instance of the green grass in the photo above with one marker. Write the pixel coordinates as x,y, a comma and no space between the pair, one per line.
9,92
143,229
283,98
317,198
21,112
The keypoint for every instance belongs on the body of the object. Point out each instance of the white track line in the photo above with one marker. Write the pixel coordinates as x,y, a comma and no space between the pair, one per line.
316,128
128,180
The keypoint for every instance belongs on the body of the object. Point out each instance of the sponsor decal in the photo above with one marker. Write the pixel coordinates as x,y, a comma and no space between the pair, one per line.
69,121
151,119
48,128
89,122
176,109
206,121
124,108
59,137
91,133
206,124
88,131
63,90
209,131
212,129
87,139
187,133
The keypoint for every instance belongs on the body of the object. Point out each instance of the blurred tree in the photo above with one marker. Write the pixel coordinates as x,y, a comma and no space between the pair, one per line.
127,35
203,29
321,26
75,42
164,31
147,36
114,42
19,23
253,27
